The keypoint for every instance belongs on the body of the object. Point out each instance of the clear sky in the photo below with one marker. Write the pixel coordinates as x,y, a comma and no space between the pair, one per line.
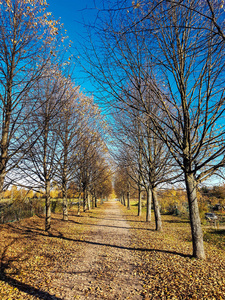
73,14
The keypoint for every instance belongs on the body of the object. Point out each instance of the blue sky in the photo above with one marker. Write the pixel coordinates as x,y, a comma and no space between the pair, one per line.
73,14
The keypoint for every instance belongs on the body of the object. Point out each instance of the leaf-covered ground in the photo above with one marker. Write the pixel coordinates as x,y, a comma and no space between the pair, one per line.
166,267
108,253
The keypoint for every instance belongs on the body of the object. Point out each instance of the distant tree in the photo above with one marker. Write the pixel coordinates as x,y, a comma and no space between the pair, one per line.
69,136
91,151
140,146
120,184
101,181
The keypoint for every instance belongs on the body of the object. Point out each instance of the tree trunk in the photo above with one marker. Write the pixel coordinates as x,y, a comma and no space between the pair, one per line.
93,201
158,221
148,208
128,195
5,128
4,156
47,206
65,203
79,199
88,201
139,201
2,179
84,200
96,201
101,198
124,200
196,229
128,200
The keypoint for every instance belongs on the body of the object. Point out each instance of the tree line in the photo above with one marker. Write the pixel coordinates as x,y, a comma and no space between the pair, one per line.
161,66
51,132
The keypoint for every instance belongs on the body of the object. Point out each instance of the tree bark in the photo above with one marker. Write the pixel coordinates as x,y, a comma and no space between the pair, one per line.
124,200
196,229
139,201
64,173
65,203
148,209
6,123
2,175
128,199
101,198
93,201
47,206
79,199
88,201
4,146
84,199
158,221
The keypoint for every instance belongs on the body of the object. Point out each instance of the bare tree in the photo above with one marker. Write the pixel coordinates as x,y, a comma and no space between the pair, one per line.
193,106
27,40
69,135
135,138
171,50
120,183
39,164
91,151
212,12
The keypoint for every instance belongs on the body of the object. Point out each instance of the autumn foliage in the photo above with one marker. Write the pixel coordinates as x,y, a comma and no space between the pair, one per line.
95,254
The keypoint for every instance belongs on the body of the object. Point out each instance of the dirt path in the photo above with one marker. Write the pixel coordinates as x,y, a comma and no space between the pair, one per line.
105,269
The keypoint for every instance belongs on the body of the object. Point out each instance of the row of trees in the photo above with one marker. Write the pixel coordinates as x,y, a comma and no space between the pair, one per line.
144,159
162,64
51,132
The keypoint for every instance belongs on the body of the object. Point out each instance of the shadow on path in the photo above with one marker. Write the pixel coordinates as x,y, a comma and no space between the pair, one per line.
115,219
124,247
110,226
31,233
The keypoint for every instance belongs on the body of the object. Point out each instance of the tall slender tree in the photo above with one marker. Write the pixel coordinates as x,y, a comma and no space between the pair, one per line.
39,164
69,133
28,36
